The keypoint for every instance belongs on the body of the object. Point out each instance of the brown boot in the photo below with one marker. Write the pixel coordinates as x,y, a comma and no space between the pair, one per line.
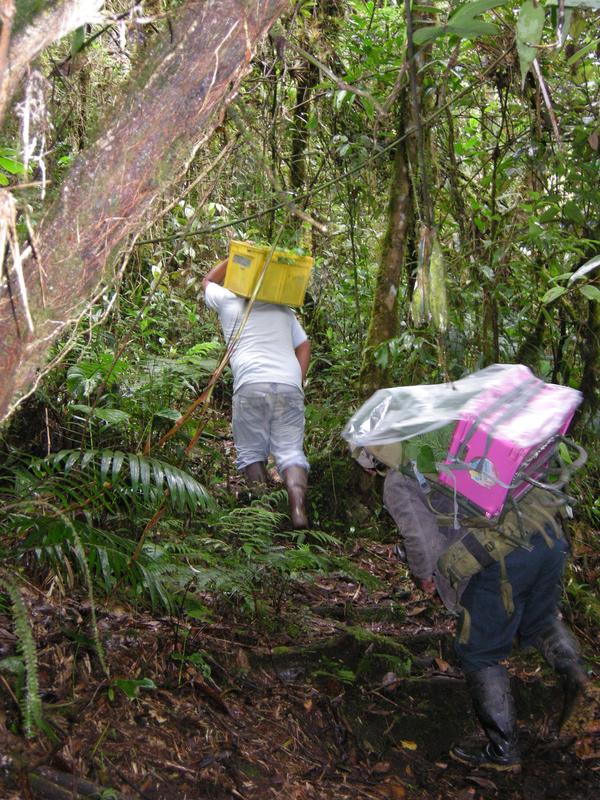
256,477
296,481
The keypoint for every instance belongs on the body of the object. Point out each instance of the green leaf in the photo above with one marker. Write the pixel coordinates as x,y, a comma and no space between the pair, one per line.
77,40
576,3
423,35
107,457
145,476
582,52
549,214
132,687
591,292
340,97
474,9
530,26
12,664
469,29
168,413
573,213
564,453
461,23
118,458
176,487
71,461
112,416
563,276
426,459
88,457
553,294
134,471
12,166
159,474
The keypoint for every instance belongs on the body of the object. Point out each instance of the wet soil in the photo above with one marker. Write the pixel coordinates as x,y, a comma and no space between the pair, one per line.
345,693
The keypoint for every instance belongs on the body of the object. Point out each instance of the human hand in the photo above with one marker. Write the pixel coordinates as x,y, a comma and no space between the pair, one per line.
426,585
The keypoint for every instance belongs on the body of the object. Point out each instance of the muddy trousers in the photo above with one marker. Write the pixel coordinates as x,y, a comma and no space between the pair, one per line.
535,577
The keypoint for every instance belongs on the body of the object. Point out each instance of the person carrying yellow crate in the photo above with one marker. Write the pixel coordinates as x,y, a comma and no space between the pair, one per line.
270,354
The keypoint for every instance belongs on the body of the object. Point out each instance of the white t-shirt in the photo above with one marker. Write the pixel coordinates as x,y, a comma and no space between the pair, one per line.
264,353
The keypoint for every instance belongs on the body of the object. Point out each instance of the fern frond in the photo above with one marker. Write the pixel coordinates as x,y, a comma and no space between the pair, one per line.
146,476
31,704
82,558
101,555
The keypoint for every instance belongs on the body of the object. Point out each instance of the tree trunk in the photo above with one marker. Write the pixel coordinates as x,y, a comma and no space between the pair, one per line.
384,315
115,183
49,26
412,163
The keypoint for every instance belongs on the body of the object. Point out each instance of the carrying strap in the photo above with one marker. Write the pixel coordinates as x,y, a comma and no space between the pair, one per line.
506,592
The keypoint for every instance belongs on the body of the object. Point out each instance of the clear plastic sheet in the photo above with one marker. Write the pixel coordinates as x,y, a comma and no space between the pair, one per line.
400,413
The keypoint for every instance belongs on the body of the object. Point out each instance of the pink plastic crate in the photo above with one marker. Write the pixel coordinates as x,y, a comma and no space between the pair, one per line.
502,429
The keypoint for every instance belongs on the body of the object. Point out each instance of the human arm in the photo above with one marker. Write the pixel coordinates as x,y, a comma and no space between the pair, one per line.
215,275
418,526
303,355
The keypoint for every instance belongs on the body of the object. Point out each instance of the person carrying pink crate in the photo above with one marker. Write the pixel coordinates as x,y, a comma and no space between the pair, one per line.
500,573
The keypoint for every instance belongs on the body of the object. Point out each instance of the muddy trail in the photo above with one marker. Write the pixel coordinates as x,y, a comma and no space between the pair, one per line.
345,692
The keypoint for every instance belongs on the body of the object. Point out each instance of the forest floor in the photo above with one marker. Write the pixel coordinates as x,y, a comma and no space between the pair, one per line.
346,692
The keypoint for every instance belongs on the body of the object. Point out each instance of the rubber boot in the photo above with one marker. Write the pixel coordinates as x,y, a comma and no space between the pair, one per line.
296,481
559,648
494,705
256,477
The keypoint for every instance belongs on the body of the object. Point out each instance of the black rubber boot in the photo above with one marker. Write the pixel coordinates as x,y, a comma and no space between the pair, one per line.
256,477
559,648
296,481
494,706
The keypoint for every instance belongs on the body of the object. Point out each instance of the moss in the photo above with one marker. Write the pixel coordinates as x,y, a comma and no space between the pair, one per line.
282,650
383,643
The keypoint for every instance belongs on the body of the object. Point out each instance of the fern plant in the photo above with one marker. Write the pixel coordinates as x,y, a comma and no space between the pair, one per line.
251,560
150,478
30,701
77,508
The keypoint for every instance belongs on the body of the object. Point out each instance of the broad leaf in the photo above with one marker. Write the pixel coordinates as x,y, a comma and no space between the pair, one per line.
12,166
462,23
132,687
473,9
423,35
530,26
582,52
591,292
574,213
553,294
469,29
576,3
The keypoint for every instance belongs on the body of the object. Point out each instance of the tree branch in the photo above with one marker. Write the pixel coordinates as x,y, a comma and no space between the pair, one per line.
48,27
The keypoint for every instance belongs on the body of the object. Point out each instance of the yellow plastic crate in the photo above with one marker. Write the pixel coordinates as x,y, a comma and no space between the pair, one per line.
284,282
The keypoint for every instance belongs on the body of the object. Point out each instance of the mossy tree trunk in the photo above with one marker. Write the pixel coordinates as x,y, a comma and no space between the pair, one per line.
113,186
384,321
412,175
